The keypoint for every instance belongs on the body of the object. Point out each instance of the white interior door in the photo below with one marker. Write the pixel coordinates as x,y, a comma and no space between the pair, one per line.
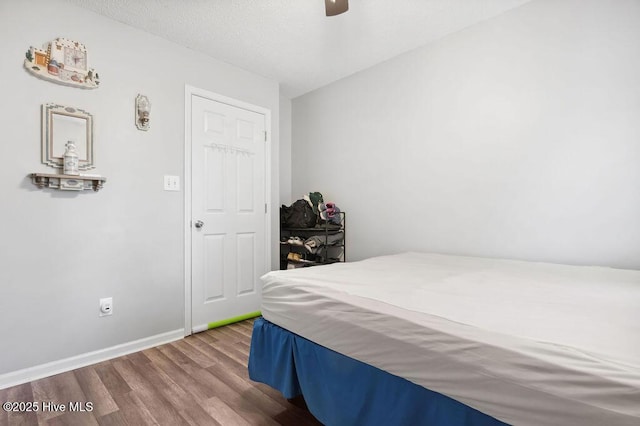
228,223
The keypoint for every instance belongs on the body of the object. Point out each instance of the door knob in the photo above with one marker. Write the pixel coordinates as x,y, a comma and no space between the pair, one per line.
199,224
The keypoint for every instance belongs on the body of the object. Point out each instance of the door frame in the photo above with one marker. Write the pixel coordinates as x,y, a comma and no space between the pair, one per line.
188,93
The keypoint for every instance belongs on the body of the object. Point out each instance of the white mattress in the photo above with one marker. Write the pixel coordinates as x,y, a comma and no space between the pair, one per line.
528,343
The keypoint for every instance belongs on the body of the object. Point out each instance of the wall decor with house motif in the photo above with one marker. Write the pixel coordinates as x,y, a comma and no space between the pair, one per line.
62,61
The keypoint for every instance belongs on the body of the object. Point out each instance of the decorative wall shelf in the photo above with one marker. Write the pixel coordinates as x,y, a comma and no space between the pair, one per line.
67,182
62,61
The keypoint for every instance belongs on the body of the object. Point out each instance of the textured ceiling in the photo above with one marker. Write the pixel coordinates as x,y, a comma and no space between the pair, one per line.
291,41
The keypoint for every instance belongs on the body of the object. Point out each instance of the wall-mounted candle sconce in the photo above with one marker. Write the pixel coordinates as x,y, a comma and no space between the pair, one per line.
143,109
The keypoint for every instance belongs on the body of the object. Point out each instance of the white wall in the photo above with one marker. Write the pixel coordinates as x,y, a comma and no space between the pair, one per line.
60,252
285,151
518,137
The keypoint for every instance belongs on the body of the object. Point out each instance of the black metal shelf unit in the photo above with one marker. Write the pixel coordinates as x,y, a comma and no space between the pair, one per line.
323,244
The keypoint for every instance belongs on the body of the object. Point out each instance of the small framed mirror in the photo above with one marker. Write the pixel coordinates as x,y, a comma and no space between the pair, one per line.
61,124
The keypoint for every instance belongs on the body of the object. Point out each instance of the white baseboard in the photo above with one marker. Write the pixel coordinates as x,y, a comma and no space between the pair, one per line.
49,369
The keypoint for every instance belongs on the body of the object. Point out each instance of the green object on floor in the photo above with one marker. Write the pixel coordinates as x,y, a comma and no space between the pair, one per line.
234,319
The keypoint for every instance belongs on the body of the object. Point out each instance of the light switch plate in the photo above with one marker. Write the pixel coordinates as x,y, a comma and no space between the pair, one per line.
172,183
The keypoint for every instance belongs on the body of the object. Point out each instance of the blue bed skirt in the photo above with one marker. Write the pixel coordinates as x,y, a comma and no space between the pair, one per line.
342,391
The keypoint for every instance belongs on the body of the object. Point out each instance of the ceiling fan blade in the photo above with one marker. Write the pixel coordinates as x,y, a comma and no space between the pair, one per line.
336,7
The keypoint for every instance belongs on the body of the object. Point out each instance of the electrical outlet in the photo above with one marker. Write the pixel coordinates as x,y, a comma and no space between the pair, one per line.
172,183
106,306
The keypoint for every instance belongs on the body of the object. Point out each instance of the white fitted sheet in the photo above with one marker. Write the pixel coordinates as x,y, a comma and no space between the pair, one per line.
528,343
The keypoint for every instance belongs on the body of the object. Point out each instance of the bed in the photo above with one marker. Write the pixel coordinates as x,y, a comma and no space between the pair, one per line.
420,338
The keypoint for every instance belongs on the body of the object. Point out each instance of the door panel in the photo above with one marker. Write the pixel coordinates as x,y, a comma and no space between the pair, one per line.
214,184
213,278
246,264
245,185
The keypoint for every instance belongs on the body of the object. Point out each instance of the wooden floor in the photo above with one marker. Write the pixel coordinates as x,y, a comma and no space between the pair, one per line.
200,380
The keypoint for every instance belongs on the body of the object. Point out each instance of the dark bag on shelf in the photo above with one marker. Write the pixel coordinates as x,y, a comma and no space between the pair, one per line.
298,215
